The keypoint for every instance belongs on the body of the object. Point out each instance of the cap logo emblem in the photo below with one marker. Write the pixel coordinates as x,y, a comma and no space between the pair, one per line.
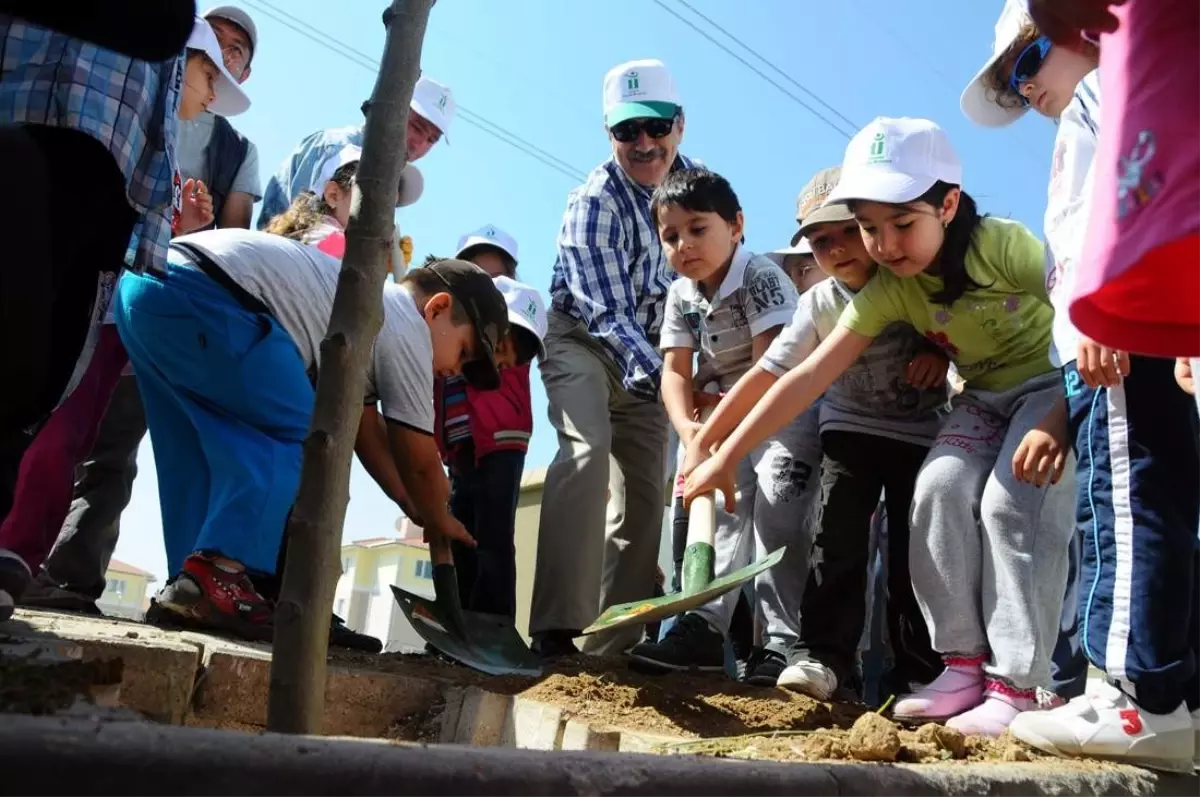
631,81
530,311
490,232
441,104
877,152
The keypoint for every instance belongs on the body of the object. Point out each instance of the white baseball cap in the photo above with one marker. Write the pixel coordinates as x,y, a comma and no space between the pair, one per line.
489,235
896,161
801,247
525,308
435,102
977,101
637,90
238,17
412,183
229,99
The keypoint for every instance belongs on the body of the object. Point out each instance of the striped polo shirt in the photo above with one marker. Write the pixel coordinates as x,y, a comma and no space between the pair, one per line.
755,296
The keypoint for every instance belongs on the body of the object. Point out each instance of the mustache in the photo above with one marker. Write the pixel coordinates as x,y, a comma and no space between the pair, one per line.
647,156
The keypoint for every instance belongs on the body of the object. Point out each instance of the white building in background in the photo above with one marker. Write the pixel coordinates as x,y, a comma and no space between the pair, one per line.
126,590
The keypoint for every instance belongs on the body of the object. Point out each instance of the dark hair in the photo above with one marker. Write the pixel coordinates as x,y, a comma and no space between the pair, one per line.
510,265
525,343
960,235
429,283
699,191
309,207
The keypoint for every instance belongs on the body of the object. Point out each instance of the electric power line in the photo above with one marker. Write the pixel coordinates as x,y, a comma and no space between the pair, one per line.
370,64
831,123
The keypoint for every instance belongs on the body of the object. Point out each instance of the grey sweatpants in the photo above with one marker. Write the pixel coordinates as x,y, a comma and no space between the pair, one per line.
988,553
593,554
777,491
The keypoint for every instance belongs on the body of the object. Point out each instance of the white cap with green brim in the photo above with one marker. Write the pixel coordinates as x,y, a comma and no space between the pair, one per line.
896,161
642,89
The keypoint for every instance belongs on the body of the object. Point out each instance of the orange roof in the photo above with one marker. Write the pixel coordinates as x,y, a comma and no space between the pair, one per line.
117,566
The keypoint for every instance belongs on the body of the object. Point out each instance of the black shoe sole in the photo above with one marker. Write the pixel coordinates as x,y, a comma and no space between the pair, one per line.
354,641
650,666
207,622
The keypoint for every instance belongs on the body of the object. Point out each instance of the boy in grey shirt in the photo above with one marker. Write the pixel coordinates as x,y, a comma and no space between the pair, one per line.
727,307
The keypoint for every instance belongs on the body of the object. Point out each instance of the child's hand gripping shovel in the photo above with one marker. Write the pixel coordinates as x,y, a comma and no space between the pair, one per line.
699,586
485,642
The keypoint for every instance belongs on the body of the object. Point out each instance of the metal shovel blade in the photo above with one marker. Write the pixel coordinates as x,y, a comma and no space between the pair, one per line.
647,611
485,642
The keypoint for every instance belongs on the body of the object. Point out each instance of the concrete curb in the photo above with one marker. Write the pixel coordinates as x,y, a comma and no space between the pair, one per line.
57,755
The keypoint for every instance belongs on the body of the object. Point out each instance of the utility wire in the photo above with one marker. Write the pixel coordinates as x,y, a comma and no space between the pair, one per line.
370,64
839,127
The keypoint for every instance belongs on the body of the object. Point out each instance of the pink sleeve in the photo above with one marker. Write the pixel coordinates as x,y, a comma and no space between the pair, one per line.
334,244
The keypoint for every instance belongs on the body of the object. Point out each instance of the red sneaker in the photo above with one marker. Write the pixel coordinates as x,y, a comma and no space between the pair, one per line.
208,596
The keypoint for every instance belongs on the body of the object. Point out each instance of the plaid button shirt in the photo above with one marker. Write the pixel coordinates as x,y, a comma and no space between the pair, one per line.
611,273
129,106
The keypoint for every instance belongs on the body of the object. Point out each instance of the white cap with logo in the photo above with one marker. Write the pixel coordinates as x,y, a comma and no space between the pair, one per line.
228,99
412,183
435,102
975,101
525,308
489,235
896,161
638,90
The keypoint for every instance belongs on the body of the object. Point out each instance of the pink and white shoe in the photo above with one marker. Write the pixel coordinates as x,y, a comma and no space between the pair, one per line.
1001,705
958,689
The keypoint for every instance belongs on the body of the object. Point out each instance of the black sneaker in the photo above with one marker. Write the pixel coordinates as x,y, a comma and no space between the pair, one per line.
342,636
691,644
764,667
554,644
45,594
14,580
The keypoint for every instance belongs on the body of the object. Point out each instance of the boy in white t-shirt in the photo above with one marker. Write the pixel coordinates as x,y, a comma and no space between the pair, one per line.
226,349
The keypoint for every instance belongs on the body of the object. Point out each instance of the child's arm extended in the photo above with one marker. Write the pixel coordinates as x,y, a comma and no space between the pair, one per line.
419,465
677,391
371,446
1043,451
789,397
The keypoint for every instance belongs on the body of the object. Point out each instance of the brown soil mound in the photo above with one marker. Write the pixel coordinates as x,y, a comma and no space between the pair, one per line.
30,686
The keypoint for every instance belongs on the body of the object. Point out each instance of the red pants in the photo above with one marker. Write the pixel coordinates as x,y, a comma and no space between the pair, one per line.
46,480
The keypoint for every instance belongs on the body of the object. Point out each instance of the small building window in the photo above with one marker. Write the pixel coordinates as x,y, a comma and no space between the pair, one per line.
424,568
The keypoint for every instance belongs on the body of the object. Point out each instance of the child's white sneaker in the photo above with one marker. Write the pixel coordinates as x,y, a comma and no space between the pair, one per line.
1107,724
809,677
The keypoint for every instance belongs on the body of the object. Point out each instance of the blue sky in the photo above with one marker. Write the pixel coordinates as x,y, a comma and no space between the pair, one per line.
534,68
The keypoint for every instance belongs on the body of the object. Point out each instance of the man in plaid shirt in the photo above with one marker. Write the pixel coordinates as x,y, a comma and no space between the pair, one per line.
86,132
602,373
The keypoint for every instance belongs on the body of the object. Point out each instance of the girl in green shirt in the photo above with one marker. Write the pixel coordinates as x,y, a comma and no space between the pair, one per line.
991,515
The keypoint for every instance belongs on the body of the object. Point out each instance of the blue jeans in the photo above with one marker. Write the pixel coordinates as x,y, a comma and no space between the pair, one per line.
1137,511
228,404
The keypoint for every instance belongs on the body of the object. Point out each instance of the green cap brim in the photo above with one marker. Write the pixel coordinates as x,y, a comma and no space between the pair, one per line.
641,110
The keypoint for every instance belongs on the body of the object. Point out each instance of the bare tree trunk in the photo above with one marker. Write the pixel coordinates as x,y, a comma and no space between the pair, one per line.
297,695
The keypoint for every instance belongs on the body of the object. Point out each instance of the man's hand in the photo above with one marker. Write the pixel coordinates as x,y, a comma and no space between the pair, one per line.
1100,366
406,248
1062,21
1042,454
1184,376
197,210
696,453
928,370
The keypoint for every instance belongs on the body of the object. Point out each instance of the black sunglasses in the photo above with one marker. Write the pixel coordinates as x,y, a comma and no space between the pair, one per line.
630,129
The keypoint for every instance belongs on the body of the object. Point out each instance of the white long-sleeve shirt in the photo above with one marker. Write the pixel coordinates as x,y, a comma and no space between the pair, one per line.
1068,205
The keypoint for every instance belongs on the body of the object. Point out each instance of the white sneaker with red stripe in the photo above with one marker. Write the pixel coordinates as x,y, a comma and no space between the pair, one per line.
1106,723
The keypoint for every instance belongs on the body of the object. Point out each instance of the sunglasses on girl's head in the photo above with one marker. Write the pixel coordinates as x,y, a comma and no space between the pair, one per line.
1028,63
630,129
